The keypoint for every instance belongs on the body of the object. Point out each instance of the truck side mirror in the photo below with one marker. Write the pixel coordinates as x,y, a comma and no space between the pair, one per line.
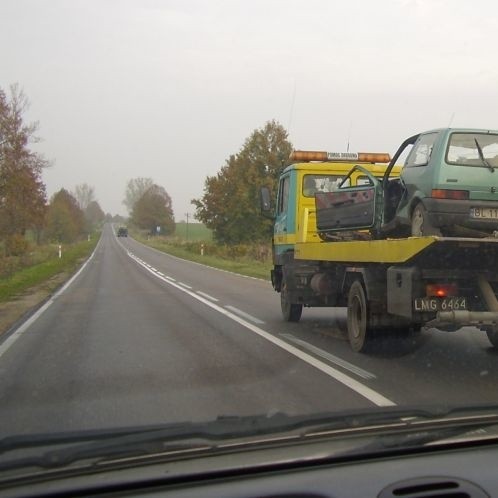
265,202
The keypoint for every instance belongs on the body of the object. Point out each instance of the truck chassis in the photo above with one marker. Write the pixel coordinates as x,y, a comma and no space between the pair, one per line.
394,284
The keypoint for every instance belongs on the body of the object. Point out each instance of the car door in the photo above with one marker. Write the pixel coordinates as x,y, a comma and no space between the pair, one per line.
350,208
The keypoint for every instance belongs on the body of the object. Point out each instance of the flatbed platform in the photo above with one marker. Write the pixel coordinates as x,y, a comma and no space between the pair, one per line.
399,250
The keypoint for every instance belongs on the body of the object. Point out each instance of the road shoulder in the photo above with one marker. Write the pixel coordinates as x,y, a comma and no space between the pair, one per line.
17,310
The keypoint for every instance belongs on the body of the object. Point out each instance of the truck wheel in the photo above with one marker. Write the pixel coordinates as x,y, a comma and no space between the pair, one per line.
359,333
290,311
421,225
492,334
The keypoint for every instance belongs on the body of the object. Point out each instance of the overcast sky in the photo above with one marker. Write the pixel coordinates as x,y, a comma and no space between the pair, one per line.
168,89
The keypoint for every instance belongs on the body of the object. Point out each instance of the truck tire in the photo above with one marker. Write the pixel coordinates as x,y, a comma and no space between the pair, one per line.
492,334
290,311
359,332
421,225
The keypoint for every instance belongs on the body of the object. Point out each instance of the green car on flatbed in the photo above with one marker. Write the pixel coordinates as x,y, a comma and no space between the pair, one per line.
448,186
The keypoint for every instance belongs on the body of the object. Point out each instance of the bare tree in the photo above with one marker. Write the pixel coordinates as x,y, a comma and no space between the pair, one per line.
135,189
84,195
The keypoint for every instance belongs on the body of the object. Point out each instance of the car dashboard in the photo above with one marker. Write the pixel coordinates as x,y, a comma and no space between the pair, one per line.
298,471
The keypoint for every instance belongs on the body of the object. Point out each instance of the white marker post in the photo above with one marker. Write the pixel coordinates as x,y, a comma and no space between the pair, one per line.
60,251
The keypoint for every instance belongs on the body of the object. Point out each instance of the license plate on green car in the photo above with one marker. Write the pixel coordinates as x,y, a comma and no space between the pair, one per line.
486,213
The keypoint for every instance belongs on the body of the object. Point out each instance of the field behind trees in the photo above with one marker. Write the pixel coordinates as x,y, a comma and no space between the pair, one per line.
193,232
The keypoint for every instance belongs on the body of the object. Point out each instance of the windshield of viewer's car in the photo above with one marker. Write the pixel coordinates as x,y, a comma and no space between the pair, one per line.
141,282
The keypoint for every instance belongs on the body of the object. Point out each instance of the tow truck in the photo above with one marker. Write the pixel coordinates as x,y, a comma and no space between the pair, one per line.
330,250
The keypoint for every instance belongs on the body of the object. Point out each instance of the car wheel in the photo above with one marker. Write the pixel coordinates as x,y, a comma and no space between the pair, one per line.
359,332
290,311
421,225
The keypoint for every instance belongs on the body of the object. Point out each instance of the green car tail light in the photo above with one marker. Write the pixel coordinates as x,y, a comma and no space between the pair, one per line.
460,195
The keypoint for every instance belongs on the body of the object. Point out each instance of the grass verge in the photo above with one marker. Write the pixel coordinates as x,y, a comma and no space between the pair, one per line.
243,266
34,275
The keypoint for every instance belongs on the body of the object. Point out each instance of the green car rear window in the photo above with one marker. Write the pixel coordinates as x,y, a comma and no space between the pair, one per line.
463,149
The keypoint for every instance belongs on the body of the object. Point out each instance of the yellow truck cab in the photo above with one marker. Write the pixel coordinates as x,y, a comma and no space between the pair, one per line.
314,172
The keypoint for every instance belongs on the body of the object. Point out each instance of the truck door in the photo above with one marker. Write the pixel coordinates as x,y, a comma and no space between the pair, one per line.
285,217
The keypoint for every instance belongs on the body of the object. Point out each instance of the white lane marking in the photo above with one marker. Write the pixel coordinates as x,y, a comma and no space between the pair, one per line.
160,273
153,269
207,296
169,278
330,357
245,315
184,285
365,391
11,339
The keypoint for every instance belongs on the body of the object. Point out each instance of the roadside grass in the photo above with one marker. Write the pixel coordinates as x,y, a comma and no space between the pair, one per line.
242,265
22,280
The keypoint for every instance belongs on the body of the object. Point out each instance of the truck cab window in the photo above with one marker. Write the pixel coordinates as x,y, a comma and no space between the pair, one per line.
321,183
283,195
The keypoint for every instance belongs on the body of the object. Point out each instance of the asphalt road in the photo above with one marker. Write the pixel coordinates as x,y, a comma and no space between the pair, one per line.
140,337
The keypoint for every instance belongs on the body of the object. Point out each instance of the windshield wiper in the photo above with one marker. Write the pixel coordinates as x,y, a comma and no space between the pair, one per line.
481,156
175,438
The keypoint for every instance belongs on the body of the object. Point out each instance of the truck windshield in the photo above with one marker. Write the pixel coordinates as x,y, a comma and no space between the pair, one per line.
462,149
321,183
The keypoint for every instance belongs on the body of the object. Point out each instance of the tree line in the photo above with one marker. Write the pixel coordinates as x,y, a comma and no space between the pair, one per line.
24,206
230,202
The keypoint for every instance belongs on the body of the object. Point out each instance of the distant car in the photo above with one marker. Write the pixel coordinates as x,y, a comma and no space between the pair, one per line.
122,232
450,183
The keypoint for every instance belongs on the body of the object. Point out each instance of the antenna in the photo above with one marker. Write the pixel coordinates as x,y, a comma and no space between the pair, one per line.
292,107
451,120
349,135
